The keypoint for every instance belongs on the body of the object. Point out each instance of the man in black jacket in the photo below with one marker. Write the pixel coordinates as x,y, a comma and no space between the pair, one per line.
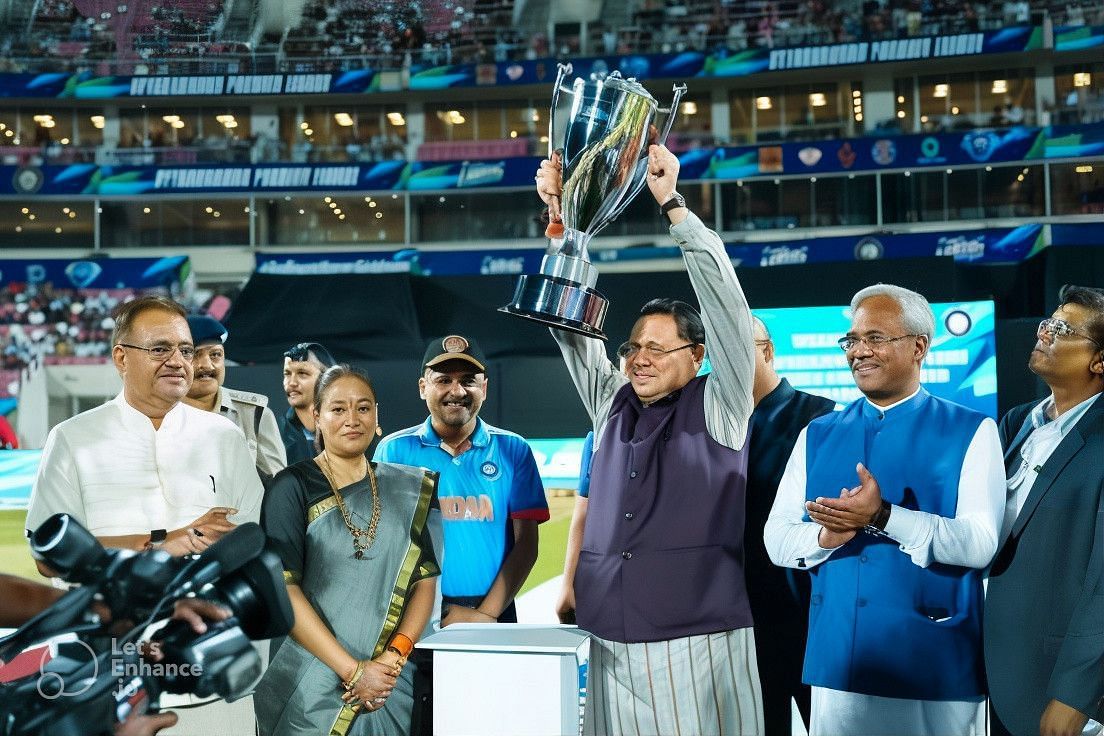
1044,610
779,596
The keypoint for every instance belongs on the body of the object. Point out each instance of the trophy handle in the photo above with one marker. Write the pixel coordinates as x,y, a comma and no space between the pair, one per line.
564,70
642,165
672,111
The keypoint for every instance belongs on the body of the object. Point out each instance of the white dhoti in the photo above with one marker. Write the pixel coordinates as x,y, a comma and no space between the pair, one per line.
840,713
704,685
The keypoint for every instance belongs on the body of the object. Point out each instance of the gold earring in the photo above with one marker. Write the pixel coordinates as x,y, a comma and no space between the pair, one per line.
379,431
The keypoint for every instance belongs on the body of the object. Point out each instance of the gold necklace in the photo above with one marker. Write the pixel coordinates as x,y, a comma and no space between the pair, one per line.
362,538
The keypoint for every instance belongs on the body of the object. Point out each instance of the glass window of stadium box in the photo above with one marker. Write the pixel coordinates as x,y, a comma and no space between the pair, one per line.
795,112
451,121
844,200
90,125
993,98
741,119
966,194
198,220
365,219
184,135
1077,188
1015,191
486,121
46,223
36,135
693,125
949,101
1080,94
1006,97
918,196
455,216
767,204
346,133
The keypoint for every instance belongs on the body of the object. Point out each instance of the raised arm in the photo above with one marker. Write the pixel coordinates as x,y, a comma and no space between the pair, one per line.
725,314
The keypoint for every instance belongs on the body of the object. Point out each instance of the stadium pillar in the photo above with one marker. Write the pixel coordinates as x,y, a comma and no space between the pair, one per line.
879,101
1046,97
415,128
111,127
720,117
264,121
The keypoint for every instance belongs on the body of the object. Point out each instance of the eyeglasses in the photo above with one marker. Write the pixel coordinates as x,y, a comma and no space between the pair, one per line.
629,349
1054,327
303,350
871,341
161,353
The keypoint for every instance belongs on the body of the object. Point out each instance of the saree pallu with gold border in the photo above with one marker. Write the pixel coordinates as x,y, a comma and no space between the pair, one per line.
360,600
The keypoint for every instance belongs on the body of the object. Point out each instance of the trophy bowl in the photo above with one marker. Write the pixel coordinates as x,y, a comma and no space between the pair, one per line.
604,153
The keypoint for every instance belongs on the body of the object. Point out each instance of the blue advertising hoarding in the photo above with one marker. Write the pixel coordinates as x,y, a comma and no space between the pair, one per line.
868,154
994,245
99,273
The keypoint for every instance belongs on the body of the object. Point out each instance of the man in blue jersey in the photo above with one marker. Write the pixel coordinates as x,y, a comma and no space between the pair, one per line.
490,493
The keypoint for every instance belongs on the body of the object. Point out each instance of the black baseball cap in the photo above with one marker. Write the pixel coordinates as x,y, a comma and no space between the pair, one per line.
454,347
206,329
304,350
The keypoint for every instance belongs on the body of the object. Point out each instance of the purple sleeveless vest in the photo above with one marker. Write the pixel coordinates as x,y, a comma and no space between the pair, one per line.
662,553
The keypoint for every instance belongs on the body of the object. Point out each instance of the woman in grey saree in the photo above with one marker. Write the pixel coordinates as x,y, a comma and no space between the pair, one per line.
360,567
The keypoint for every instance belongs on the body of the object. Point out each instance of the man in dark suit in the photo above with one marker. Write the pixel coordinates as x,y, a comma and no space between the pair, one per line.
1044,612
779,596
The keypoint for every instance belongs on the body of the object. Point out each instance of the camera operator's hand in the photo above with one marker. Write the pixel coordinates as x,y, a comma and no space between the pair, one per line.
137,725
374,686
196,612
201,533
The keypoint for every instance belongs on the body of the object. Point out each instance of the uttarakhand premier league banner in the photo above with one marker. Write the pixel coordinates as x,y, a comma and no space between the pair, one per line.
845,155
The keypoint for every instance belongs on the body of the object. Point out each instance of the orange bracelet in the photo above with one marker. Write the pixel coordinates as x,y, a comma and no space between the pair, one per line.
402,644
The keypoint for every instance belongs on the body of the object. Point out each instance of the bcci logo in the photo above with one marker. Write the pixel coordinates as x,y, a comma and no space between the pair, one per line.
490,470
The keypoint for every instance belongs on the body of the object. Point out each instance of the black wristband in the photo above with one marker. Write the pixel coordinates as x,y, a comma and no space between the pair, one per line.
882,517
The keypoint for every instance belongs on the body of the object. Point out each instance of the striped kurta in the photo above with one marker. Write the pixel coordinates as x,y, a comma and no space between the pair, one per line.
705,685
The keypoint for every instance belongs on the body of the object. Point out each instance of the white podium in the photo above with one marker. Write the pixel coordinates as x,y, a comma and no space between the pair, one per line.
507,679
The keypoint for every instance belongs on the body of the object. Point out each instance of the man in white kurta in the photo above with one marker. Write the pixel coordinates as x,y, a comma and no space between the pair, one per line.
145,470
894,506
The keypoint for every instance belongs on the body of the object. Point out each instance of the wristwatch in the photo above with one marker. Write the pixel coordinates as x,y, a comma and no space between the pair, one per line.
157,538
676,200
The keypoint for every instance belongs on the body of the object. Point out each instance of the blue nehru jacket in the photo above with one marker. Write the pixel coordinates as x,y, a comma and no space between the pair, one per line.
879,624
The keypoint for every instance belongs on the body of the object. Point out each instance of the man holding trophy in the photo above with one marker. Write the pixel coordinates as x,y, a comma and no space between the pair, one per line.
659,581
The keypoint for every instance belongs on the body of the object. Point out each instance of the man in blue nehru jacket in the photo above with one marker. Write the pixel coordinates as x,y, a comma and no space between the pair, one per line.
894,644
659,581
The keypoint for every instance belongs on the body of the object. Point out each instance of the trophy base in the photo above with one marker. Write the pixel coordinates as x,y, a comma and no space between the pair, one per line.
560,304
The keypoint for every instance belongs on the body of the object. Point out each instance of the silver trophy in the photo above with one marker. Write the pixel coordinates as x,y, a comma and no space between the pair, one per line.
605,163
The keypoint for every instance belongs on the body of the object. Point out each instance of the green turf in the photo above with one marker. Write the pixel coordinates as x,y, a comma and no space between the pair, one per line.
550,555
15,556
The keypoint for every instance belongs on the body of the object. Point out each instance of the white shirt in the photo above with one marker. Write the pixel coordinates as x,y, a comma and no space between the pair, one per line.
968,539
1035,451
115,474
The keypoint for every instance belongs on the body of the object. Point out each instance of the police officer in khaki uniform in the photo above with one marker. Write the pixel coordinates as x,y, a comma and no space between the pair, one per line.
246,409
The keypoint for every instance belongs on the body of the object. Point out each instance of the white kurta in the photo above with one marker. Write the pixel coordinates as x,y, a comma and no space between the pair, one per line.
115,474
968,539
